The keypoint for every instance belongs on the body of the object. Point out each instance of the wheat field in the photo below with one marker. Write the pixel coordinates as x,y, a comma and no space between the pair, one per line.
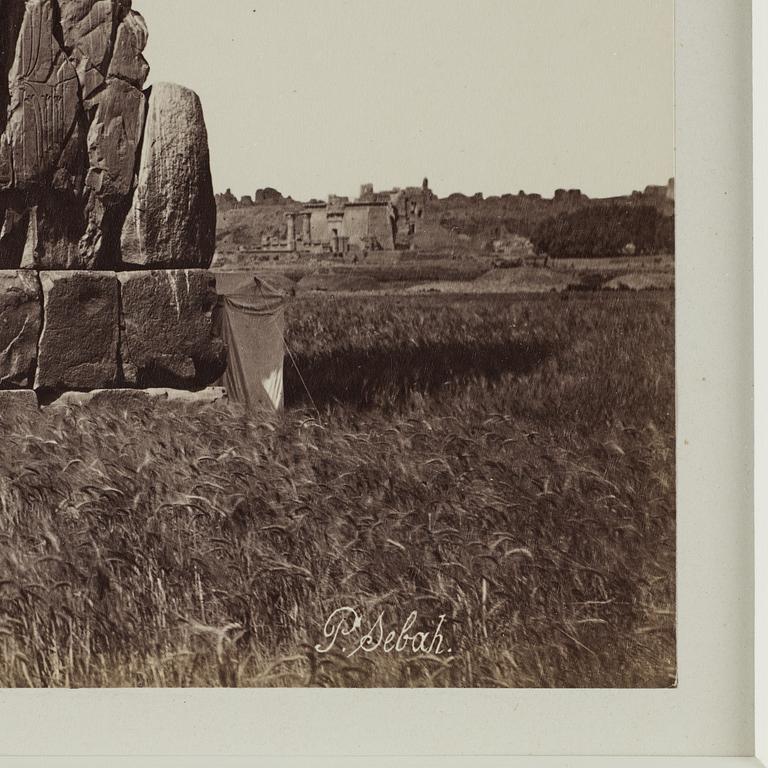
504,461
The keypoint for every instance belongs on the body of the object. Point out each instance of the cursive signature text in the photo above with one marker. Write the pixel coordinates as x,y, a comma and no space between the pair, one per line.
345,627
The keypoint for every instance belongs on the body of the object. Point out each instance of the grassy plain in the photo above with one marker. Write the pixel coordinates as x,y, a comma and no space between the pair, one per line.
507,461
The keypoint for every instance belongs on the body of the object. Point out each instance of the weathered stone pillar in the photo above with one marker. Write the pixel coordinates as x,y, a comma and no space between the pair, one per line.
290,220
172,224
307,228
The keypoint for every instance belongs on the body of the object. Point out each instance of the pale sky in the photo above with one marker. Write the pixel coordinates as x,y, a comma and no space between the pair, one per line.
318,96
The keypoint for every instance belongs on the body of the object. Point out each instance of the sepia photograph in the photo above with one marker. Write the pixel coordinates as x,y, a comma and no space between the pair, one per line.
337,344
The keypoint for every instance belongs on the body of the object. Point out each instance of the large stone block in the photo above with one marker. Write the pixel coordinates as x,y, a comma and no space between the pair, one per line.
86,28
207,396
128,62
54,228
167,335
21,311
113,140
172,223
136,399
17,401
78,345
114,399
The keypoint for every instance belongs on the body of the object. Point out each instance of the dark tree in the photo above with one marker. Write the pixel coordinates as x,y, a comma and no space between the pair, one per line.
605,230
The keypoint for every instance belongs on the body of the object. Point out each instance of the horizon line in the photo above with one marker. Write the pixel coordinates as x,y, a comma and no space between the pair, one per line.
519,193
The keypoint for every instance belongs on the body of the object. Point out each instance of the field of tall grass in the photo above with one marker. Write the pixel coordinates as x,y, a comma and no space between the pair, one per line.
505,462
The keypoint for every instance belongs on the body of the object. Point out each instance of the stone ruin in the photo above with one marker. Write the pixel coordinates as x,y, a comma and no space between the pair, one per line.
107,211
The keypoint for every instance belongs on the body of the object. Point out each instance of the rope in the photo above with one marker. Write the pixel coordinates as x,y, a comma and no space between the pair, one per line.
295,365
264,282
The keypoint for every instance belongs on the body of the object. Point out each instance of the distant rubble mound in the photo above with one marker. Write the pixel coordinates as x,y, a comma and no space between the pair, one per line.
226,202
267,196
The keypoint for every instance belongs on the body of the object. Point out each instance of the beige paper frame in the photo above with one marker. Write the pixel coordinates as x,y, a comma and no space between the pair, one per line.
711,712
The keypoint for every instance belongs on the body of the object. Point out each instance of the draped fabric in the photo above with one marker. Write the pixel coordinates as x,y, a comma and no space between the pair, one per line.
250,318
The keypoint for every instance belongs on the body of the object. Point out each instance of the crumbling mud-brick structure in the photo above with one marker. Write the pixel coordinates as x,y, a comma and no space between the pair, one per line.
107,212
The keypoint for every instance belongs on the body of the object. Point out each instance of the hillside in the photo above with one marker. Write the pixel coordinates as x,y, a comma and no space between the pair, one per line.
246,226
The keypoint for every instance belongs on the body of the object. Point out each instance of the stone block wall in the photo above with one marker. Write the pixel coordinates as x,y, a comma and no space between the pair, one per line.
107,212
78,330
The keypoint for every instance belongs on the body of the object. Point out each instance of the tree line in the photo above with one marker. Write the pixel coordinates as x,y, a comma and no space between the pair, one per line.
606,230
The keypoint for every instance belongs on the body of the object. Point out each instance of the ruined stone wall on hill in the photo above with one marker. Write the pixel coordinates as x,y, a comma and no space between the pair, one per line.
107,212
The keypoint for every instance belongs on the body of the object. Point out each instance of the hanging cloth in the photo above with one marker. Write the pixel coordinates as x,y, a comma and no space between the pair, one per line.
250,319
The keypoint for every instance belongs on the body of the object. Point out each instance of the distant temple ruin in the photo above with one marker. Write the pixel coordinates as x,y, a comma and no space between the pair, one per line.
375,221
340,225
